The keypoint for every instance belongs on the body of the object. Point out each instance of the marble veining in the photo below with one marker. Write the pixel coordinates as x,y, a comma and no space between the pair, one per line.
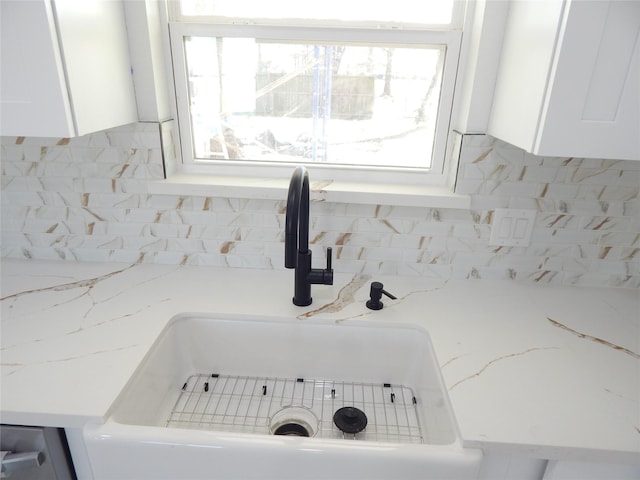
345,297
16,367
86,199
85,283
495,360
594,339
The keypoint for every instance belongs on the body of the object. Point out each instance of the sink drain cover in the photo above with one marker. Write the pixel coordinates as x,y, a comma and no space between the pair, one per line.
350,419
294,421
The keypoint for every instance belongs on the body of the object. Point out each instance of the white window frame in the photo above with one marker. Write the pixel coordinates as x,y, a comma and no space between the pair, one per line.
342,184
450,37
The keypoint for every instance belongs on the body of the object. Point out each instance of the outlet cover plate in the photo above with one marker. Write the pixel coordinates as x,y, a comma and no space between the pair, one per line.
512,227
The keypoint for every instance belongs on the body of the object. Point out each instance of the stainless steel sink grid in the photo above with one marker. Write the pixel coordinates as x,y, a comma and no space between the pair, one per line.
246,404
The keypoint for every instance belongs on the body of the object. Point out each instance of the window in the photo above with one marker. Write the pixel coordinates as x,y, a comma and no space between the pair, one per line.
341,85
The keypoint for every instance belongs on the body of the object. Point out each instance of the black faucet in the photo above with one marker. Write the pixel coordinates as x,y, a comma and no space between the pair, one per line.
296,241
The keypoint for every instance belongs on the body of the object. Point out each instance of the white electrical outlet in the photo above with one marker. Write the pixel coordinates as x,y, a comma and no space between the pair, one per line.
512,227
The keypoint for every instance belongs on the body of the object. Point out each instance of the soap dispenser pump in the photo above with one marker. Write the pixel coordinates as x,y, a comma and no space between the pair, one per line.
377,289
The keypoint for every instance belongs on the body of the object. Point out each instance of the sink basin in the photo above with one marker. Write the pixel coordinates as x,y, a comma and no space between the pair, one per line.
238,397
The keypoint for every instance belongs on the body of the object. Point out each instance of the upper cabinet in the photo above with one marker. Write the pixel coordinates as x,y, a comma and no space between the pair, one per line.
569,79
65,68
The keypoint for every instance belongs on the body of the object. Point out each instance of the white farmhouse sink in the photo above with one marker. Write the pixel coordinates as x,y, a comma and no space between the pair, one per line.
221,396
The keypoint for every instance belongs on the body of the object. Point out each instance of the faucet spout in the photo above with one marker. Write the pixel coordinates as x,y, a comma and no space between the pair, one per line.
297,217
296,247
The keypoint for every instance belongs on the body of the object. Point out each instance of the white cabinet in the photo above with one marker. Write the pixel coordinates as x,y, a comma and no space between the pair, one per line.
514,467
65,68
511,467
564,470
569,79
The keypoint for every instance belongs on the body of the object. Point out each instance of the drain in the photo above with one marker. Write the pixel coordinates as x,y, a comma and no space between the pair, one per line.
293,429
350,419
294,421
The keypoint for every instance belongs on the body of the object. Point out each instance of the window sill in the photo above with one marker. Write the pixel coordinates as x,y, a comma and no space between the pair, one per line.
336,192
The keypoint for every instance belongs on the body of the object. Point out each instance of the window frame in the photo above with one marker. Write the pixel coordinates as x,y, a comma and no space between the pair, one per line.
441,172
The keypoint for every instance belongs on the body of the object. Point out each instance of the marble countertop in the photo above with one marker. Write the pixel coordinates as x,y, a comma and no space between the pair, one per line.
542,371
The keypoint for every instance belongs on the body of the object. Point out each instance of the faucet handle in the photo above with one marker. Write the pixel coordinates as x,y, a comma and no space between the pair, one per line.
322,276
327,275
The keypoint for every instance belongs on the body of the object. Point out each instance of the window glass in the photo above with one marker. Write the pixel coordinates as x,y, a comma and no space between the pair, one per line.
432,12
295,101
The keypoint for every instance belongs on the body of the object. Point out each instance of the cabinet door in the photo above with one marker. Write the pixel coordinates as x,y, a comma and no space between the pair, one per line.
569,79
33,97
562,470
93,37
525,62
511,467
593,104
65,68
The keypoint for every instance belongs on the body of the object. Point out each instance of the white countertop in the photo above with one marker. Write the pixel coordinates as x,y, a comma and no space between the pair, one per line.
543,371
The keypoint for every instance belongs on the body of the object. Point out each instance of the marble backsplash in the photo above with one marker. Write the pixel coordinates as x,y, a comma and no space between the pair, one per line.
86,199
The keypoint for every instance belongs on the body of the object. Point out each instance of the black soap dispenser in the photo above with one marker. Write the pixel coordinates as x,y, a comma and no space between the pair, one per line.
376,292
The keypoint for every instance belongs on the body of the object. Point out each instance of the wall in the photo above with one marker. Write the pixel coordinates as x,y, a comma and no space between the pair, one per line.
86,199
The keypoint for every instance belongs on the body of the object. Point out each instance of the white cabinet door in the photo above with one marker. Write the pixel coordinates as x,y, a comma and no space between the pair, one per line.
562,470
65,68
569,79
511,467
33,91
